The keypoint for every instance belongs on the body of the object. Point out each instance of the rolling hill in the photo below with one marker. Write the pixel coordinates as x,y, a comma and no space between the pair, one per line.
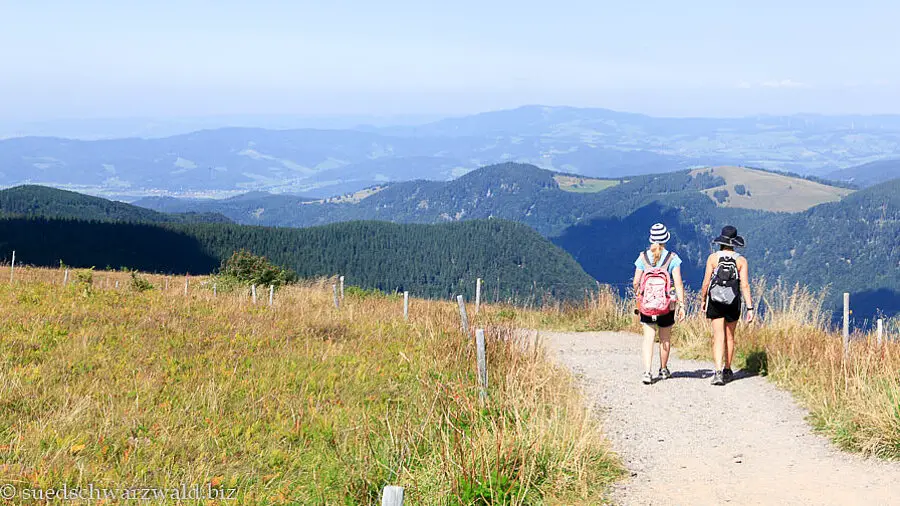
428,260
32,200
869,174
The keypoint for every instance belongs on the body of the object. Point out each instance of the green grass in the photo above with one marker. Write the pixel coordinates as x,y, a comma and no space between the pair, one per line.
583,184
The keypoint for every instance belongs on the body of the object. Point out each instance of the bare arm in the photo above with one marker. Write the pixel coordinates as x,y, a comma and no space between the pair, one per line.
744,273
679,289
707,277
637,279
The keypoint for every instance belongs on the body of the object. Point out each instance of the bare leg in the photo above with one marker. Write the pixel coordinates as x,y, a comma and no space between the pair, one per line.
665,346
718,327
729,343
647,355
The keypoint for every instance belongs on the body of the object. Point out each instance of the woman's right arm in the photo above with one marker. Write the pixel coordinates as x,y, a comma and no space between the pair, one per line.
707,276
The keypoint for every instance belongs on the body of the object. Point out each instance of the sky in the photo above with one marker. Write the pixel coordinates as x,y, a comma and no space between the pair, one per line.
191,58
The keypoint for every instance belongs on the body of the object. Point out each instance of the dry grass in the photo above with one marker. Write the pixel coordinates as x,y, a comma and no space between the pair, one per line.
296,403
773,192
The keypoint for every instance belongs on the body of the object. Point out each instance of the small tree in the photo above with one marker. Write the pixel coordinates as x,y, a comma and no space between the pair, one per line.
249,269
721,196
740,189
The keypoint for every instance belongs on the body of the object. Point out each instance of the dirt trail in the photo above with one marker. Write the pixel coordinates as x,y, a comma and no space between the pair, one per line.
687,442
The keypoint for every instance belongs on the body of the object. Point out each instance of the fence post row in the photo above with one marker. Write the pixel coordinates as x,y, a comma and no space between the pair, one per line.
337,302
846,333
66,278
477,295
342,287
482,363
406,305
392,496
215,289
271,294
12,267
880,331
253,293
464,320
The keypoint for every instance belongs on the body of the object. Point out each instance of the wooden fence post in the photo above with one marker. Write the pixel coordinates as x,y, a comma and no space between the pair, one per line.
117,284
879,333
215,289
167,283
253,293
846,333
337,302
187,282
12,267
271,294
342,287
66,278
477,295
392,496
482,363
406,305
464,320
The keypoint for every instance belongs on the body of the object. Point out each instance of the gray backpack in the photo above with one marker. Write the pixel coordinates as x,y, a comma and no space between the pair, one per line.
725,286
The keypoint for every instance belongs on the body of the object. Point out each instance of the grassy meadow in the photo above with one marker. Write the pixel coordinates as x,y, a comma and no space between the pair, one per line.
297,403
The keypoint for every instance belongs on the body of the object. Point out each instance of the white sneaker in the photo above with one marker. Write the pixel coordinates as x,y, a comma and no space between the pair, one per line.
647,379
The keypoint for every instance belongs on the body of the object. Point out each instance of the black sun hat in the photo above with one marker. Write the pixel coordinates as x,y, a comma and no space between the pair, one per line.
729,237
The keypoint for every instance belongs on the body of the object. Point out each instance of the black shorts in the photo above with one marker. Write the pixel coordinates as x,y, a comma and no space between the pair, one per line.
662,321
731,312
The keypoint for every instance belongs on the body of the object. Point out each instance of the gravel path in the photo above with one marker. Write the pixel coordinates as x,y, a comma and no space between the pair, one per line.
687,442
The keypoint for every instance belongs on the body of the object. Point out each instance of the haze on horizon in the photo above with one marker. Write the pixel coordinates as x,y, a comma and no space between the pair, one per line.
192,58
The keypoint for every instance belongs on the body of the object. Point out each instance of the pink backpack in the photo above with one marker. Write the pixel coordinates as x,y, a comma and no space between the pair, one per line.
654,294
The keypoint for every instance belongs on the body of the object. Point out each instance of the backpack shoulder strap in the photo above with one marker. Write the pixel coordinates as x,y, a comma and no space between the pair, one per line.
647,263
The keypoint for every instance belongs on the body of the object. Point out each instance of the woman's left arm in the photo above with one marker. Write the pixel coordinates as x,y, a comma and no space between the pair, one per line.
744,273
679,289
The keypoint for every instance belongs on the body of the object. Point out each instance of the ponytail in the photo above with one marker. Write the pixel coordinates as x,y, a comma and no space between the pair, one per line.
657,249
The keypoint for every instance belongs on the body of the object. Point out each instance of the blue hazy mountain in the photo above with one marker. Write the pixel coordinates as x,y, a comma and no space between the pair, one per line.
322,162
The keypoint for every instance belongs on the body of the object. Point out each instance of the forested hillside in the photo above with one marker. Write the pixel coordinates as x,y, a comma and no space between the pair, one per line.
869,174
511,191
428,260
32,200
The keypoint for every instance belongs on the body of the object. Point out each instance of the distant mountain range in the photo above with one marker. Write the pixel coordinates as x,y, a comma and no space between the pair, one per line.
319,163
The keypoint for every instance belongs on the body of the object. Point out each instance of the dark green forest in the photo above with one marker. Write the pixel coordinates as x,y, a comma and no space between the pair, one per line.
33,200
428,260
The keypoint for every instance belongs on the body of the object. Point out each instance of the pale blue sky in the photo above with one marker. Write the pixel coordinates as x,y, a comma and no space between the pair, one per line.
93,58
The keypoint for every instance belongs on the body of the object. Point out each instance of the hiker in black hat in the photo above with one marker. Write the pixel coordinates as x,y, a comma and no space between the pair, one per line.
725,285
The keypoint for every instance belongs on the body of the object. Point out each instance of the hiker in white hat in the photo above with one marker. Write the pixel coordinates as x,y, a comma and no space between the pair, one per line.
659,290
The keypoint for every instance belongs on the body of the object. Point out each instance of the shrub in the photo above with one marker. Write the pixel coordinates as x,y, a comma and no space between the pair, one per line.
740,189
249,269
721,196
139,283
85,277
